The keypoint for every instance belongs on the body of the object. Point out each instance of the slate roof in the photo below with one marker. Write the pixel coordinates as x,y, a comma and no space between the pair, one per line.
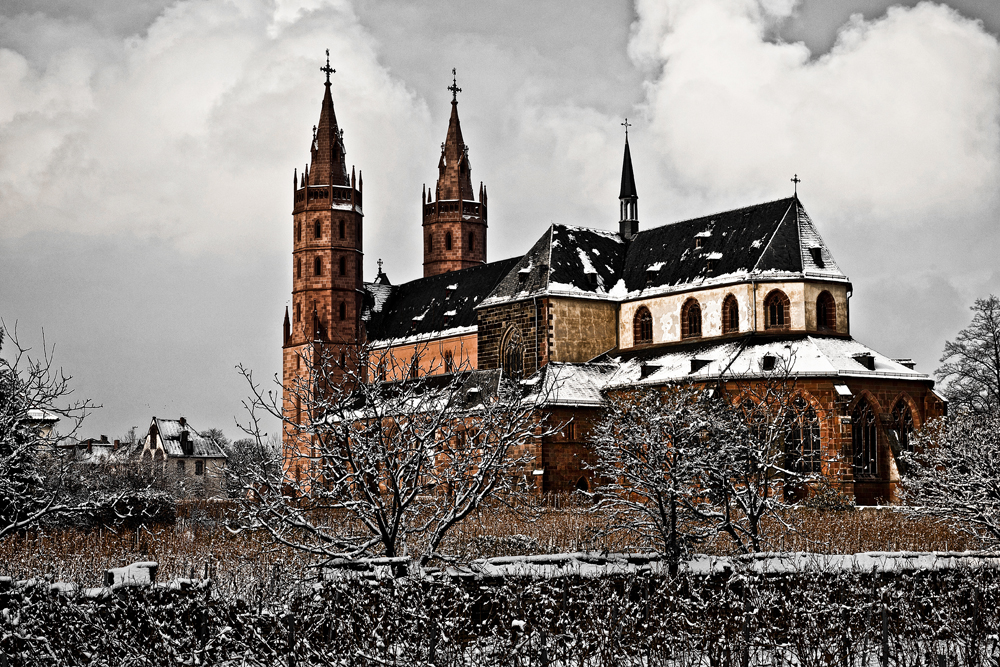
170,435
771,240
430,307
810,356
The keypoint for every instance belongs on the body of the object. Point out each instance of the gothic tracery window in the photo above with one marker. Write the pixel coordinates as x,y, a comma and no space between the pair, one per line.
730,314
826,312
691,319
902,425
642,326
803,453
864,438
776,314
512,353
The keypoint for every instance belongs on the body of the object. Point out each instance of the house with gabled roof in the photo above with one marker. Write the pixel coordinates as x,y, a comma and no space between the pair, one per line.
185,453
703,300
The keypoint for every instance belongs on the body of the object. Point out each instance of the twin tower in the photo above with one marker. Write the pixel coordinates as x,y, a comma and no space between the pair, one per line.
328,233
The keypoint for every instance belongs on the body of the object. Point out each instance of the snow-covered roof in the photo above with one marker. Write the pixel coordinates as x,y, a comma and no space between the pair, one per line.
170,431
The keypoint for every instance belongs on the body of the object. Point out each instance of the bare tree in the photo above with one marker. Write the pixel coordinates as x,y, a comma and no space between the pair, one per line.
954,474
970,366
36,483
376,467
767,452
650,448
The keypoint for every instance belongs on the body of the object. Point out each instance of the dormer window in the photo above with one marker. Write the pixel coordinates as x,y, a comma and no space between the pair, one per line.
817,257
768,362
865,359
697,242
591,278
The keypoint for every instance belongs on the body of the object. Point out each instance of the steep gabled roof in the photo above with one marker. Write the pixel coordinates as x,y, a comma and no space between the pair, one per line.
170,435
438,305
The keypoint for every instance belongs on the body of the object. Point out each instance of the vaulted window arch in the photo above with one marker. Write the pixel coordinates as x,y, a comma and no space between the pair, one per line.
512,353
776,306
826,312
864,438
642,326
902,425
803,450
730,314
691,319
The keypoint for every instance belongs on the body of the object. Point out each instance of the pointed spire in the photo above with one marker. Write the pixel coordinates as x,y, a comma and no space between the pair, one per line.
287,327
454,170
328,160
628,197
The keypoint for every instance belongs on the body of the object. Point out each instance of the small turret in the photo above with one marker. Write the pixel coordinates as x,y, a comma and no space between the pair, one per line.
628,198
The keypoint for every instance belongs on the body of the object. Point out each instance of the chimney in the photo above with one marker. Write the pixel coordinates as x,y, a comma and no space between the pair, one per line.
117,445
182,421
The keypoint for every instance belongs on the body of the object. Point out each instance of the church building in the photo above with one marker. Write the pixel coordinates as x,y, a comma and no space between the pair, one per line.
727,296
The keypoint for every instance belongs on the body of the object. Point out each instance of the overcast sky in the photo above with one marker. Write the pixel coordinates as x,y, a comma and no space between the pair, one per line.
147,149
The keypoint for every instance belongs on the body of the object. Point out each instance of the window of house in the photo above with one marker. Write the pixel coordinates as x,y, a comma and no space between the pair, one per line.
342,229
449,362
343,266
730,314
317,266
447,241
472,242
691,319
642,326
512,353
343,310
802,444
864,438
826,312
180,467
317,229
902,425
199,467
776,314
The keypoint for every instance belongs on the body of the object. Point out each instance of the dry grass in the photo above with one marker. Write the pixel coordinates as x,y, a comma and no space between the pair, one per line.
194,547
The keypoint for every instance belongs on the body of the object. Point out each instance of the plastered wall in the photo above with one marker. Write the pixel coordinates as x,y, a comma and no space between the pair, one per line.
581,329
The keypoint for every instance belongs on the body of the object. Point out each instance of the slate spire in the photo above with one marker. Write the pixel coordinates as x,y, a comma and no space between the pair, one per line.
628,198
454,170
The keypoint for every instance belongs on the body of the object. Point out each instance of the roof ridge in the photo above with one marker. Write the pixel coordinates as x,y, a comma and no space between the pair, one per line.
711,215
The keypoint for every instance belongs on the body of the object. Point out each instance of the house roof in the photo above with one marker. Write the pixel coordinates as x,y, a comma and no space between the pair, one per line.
430,307
170,435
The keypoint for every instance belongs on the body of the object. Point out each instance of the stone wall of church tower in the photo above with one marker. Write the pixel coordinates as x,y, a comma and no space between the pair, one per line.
327,262
454,222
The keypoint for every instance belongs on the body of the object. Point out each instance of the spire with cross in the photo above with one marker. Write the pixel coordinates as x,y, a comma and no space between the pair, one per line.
455,90
626,125
329,70
796,180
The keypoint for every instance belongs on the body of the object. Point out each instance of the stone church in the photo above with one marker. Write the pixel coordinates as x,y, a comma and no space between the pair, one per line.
705,300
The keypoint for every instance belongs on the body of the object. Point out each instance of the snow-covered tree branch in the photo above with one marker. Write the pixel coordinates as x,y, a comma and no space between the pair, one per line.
970,366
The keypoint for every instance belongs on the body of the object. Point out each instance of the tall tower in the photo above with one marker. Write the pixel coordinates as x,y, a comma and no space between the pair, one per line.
327,234
454,223
628,198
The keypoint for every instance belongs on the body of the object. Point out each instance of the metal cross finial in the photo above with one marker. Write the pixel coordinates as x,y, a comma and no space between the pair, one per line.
626,125
455,90
329,70
796,180
380,265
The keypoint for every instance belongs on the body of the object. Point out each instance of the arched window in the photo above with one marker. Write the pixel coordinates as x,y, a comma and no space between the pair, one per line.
472,241
691,319
298,312
298,231
317,266
415,366
730,314
447,240
642,327
902,425
342,229
317,229
864,438
512,353
803,453
826,312
298,267
343,266
343,310
430,242
449,362
776,314
581,485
